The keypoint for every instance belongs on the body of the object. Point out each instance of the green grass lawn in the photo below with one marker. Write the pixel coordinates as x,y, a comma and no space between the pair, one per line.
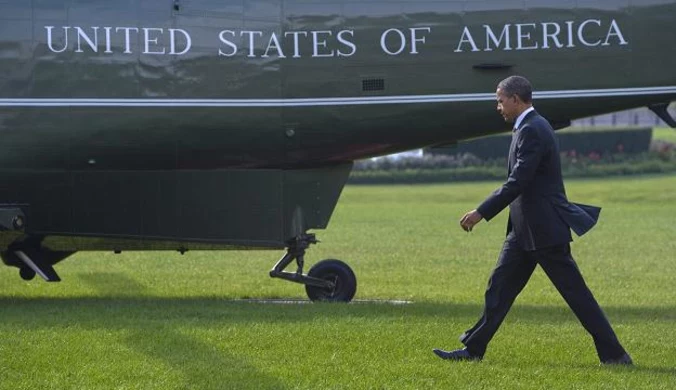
665,134
159,320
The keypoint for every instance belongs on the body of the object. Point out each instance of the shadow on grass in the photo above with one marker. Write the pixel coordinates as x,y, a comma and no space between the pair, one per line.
113,284
122,298
207,311
162,328
198,362
195,360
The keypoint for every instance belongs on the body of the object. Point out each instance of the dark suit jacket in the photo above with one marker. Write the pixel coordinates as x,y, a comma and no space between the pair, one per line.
540,214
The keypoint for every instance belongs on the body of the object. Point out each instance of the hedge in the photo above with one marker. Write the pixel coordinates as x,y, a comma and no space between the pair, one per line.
575,140
655,162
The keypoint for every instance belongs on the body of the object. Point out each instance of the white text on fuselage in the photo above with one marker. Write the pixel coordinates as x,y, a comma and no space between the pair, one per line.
329,43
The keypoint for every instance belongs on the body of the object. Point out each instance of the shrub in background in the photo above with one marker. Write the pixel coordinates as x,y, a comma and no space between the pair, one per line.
466,167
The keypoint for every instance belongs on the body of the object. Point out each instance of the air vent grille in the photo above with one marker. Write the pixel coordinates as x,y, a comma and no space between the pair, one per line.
373,84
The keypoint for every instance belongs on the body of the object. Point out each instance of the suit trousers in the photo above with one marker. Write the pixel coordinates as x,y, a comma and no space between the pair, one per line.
512,272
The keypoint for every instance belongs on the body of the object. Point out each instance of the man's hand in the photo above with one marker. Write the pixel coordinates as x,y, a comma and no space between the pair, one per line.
469,220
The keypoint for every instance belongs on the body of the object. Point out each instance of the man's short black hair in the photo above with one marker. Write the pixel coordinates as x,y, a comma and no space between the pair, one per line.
517,85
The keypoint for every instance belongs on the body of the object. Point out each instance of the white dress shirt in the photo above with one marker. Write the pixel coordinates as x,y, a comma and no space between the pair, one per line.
518,121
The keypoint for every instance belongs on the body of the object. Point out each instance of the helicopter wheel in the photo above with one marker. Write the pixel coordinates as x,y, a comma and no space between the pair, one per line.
26,273
337,272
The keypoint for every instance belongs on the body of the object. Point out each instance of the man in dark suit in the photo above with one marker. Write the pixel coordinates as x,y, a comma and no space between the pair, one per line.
538,231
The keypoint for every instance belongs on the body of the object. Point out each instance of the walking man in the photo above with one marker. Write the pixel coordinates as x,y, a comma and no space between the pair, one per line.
538,231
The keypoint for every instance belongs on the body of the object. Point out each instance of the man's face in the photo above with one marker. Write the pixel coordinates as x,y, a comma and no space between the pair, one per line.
508,106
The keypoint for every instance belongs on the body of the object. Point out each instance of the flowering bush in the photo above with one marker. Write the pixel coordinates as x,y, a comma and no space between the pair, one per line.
424,162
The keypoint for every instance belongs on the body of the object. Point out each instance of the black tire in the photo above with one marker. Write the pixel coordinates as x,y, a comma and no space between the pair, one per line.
339,273
26,273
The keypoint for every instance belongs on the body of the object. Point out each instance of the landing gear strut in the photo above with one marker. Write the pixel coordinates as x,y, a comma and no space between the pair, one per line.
31,259
329,280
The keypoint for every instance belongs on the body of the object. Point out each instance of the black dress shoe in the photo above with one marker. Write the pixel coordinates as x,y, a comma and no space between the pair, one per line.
624,360
458,354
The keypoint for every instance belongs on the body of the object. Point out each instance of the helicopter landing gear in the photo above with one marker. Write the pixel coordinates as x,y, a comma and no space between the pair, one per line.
34,260
329,280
